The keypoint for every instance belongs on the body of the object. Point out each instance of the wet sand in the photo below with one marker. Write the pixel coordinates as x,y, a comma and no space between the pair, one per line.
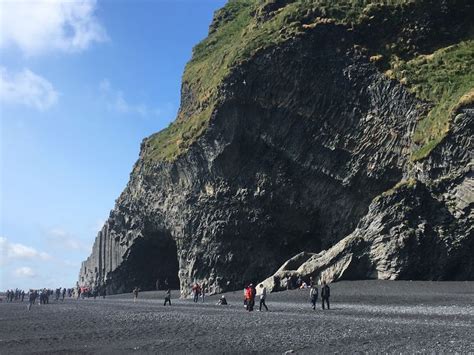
375,316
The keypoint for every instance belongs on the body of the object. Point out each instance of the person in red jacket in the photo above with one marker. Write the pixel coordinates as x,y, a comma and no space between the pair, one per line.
248,297
251,292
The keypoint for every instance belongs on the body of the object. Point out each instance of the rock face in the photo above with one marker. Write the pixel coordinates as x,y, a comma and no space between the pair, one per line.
421,229
302,153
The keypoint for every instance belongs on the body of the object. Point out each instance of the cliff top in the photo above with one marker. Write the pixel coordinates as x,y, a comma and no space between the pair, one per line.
426,45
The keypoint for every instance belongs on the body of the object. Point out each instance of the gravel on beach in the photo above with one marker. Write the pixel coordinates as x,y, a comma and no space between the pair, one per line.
367,316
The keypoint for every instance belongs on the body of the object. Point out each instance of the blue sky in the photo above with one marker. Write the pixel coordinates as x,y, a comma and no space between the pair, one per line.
81,84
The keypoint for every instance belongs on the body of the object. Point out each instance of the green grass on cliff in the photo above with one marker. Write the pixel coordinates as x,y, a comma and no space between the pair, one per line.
445,79
247,26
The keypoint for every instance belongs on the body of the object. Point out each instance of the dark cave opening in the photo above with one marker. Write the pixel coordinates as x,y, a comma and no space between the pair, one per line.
153,260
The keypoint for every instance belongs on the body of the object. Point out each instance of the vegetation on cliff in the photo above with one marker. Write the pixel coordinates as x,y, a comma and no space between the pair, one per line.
388,29
444,78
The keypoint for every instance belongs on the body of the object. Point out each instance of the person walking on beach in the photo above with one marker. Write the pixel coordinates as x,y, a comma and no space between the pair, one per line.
31,298
135,293
168,297
63,294
247,296
253,294
250,295
196,292
203,288
325,293
263,297
313,296
43,296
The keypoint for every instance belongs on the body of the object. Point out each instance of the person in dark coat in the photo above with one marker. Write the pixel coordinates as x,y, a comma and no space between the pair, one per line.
168,297
313,296
325,293
32,298
263,298
135,294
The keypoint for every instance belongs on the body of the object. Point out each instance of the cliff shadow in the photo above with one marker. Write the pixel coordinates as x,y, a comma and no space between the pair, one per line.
151,262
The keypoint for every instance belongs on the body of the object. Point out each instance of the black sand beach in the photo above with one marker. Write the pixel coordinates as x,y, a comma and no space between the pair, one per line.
375,316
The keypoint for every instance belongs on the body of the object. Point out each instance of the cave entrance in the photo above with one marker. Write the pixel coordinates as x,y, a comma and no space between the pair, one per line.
153,261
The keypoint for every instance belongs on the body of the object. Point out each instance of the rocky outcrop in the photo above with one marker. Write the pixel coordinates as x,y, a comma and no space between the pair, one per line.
305,137
420,229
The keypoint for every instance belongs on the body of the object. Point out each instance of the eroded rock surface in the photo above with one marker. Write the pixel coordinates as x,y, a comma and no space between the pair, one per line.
420,229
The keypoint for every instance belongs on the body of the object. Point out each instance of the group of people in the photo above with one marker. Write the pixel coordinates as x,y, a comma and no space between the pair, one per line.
197,291
87,292
293,282
15,295
250,293
325,293
42,295
45,294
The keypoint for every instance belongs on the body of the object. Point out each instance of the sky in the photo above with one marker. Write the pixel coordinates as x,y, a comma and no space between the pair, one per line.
82,82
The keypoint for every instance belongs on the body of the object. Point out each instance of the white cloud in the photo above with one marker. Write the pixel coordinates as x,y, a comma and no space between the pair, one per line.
19,251
115,101
26,88
23,251
37,26
66,240
25,271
